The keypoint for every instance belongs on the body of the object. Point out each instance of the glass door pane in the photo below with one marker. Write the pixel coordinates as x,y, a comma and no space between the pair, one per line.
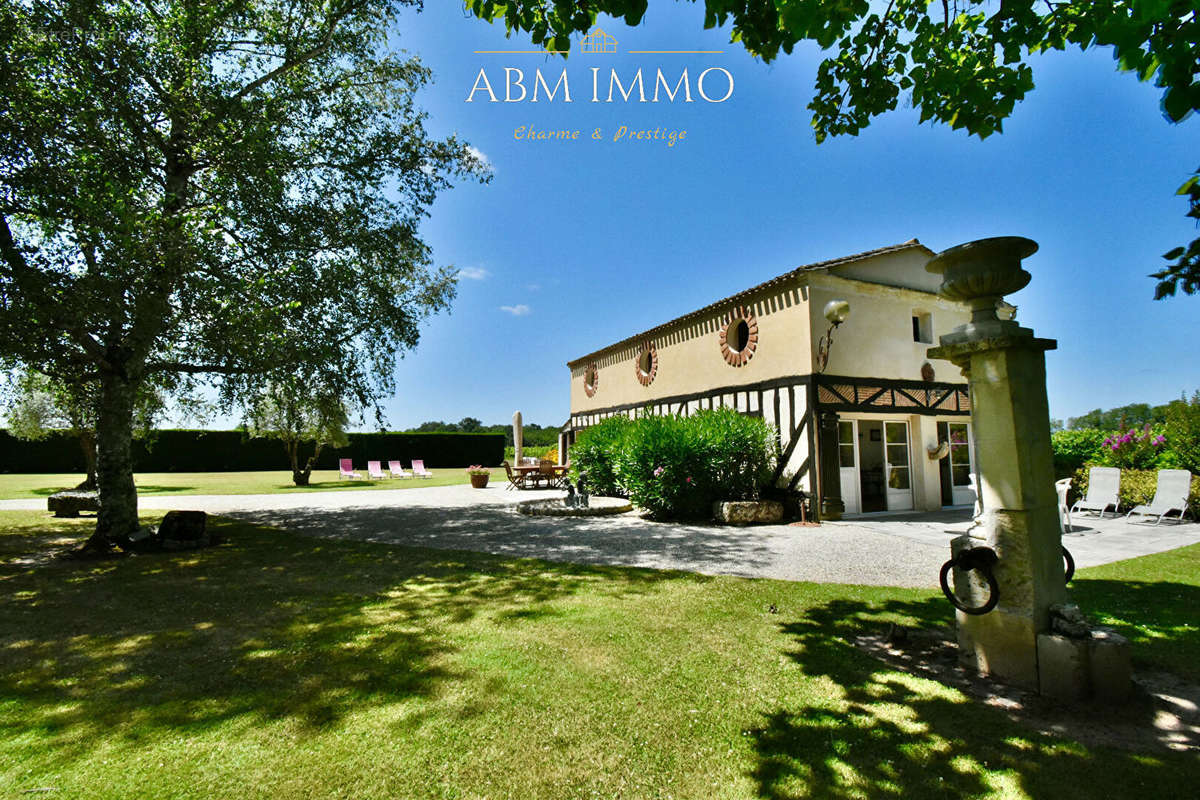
960,454
899,481
846,444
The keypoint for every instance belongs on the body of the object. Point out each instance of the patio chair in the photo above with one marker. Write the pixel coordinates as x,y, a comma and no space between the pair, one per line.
1064,511
546,472
516,480
375,471
346,470
1104,486
397,470
419,469
1171,494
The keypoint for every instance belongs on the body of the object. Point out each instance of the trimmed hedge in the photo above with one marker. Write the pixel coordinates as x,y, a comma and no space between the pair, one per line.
232,451
1137,488
676,467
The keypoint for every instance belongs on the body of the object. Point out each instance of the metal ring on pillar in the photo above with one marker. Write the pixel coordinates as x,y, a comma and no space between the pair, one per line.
1070,565
968,560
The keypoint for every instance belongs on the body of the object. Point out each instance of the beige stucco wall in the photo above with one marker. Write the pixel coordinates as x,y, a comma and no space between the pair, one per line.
689,354
904,269
876,340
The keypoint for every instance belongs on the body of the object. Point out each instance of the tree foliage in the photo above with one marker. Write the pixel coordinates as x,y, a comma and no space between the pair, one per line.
963,63
1183,432
39,406
192,188
1114,418
300,416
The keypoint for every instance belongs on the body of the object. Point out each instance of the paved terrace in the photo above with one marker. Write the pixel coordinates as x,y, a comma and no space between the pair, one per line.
892,550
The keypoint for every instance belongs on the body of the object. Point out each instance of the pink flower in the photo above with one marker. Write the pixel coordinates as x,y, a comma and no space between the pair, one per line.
689,478
659,471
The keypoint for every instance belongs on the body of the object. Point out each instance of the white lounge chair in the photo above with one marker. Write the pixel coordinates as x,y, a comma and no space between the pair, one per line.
420,471
397,470
1171,494
1104,488
375,471
1064,511
346,470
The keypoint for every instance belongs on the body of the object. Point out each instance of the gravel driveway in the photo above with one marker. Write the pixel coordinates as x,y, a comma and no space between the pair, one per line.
900,550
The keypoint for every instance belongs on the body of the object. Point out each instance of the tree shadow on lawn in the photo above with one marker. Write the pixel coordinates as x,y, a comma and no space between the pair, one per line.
1159,618
500,530
268,626
884,733
45,491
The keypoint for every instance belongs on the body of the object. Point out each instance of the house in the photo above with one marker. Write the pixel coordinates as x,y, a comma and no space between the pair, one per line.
879,427
598,42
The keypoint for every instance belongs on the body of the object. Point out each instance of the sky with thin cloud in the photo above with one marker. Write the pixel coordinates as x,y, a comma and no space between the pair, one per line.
613,238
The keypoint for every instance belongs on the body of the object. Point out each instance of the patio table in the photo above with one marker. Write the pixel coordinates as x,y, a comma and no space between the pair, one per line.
535,471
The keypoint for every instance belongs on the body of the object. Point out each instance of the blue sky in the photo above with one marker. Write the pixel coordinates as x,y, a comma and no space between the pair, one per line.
575,244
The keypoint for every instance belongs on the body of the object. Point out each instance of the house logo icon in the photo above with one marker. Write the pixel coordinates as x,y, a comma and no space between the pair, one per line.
598,42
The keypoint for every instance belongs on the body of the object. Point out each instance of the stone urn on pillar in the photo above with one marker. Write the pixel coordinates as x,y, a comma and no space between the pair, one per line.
1010,592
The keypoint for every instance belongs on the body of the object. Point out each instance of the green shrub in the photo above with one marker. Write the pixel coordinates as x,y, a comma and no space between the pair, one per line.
1137,488
1183,433
675,466
528,451
1136,448
593,455
1073,449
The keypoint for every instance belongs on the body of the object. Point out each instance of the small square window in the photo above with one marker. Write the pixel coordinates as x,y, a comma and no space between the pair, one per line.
922,327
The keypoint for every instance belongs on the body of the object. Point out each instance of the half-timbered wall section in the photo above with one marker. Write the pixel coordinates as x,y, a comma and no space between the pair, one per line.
783,403
842,393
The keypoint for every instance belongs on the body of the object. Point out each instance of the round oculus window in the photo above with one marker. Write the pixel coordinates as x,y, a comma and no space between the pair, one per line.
591,377
739,336
647,364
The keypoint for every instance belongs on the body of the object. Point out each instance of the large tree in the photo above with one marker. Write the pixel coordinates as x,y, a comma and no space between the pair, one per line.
211,188
298,411
961,62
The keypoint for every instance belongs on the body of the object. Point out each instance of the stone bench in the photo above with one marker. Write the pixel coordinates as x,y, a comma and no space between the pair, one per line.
69,504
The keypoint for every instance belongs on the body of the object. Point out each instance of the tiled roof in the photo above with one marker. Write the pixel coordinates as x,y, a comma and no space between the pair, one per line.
735,298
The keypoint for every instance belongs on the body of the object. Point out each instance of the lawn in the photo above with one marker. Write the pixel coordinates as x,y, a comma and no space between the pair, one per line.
262,482
277,666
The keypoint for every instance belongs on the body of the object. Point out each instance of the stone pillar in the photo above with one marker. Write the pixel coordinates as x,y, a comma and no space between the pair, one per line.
1006,367
832,506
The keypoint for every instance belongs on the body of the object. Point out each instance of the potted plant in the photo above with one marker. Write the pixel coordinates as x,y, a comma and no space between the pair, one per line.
479,475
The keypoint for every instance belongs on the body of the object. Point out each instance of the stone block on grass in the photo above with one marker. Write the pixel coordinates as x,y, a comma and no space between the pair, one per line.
747,512
69,504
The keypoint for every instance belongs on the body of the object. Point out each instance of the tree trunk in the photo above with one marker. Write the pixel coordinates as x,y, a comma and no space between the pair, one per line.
299,476
118,517
87,443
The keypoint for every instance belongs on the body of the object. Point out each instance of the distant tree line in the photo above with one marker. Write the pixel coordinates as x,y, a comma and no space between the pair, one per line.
534,435
1112,418
1136,436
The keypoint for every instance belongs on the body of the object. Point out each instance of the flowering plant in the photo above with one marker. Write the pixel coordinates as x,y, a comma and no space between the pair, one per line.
477,469
1133,448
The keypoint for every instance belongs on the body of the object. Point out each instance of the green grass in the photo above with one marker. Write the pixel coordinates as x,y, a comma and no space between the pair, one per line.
277,666
263,482
1153,601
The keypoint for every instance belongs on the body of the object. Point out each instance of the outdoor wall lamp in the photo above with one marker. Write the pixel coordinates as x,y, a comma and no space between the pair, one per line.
836,312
